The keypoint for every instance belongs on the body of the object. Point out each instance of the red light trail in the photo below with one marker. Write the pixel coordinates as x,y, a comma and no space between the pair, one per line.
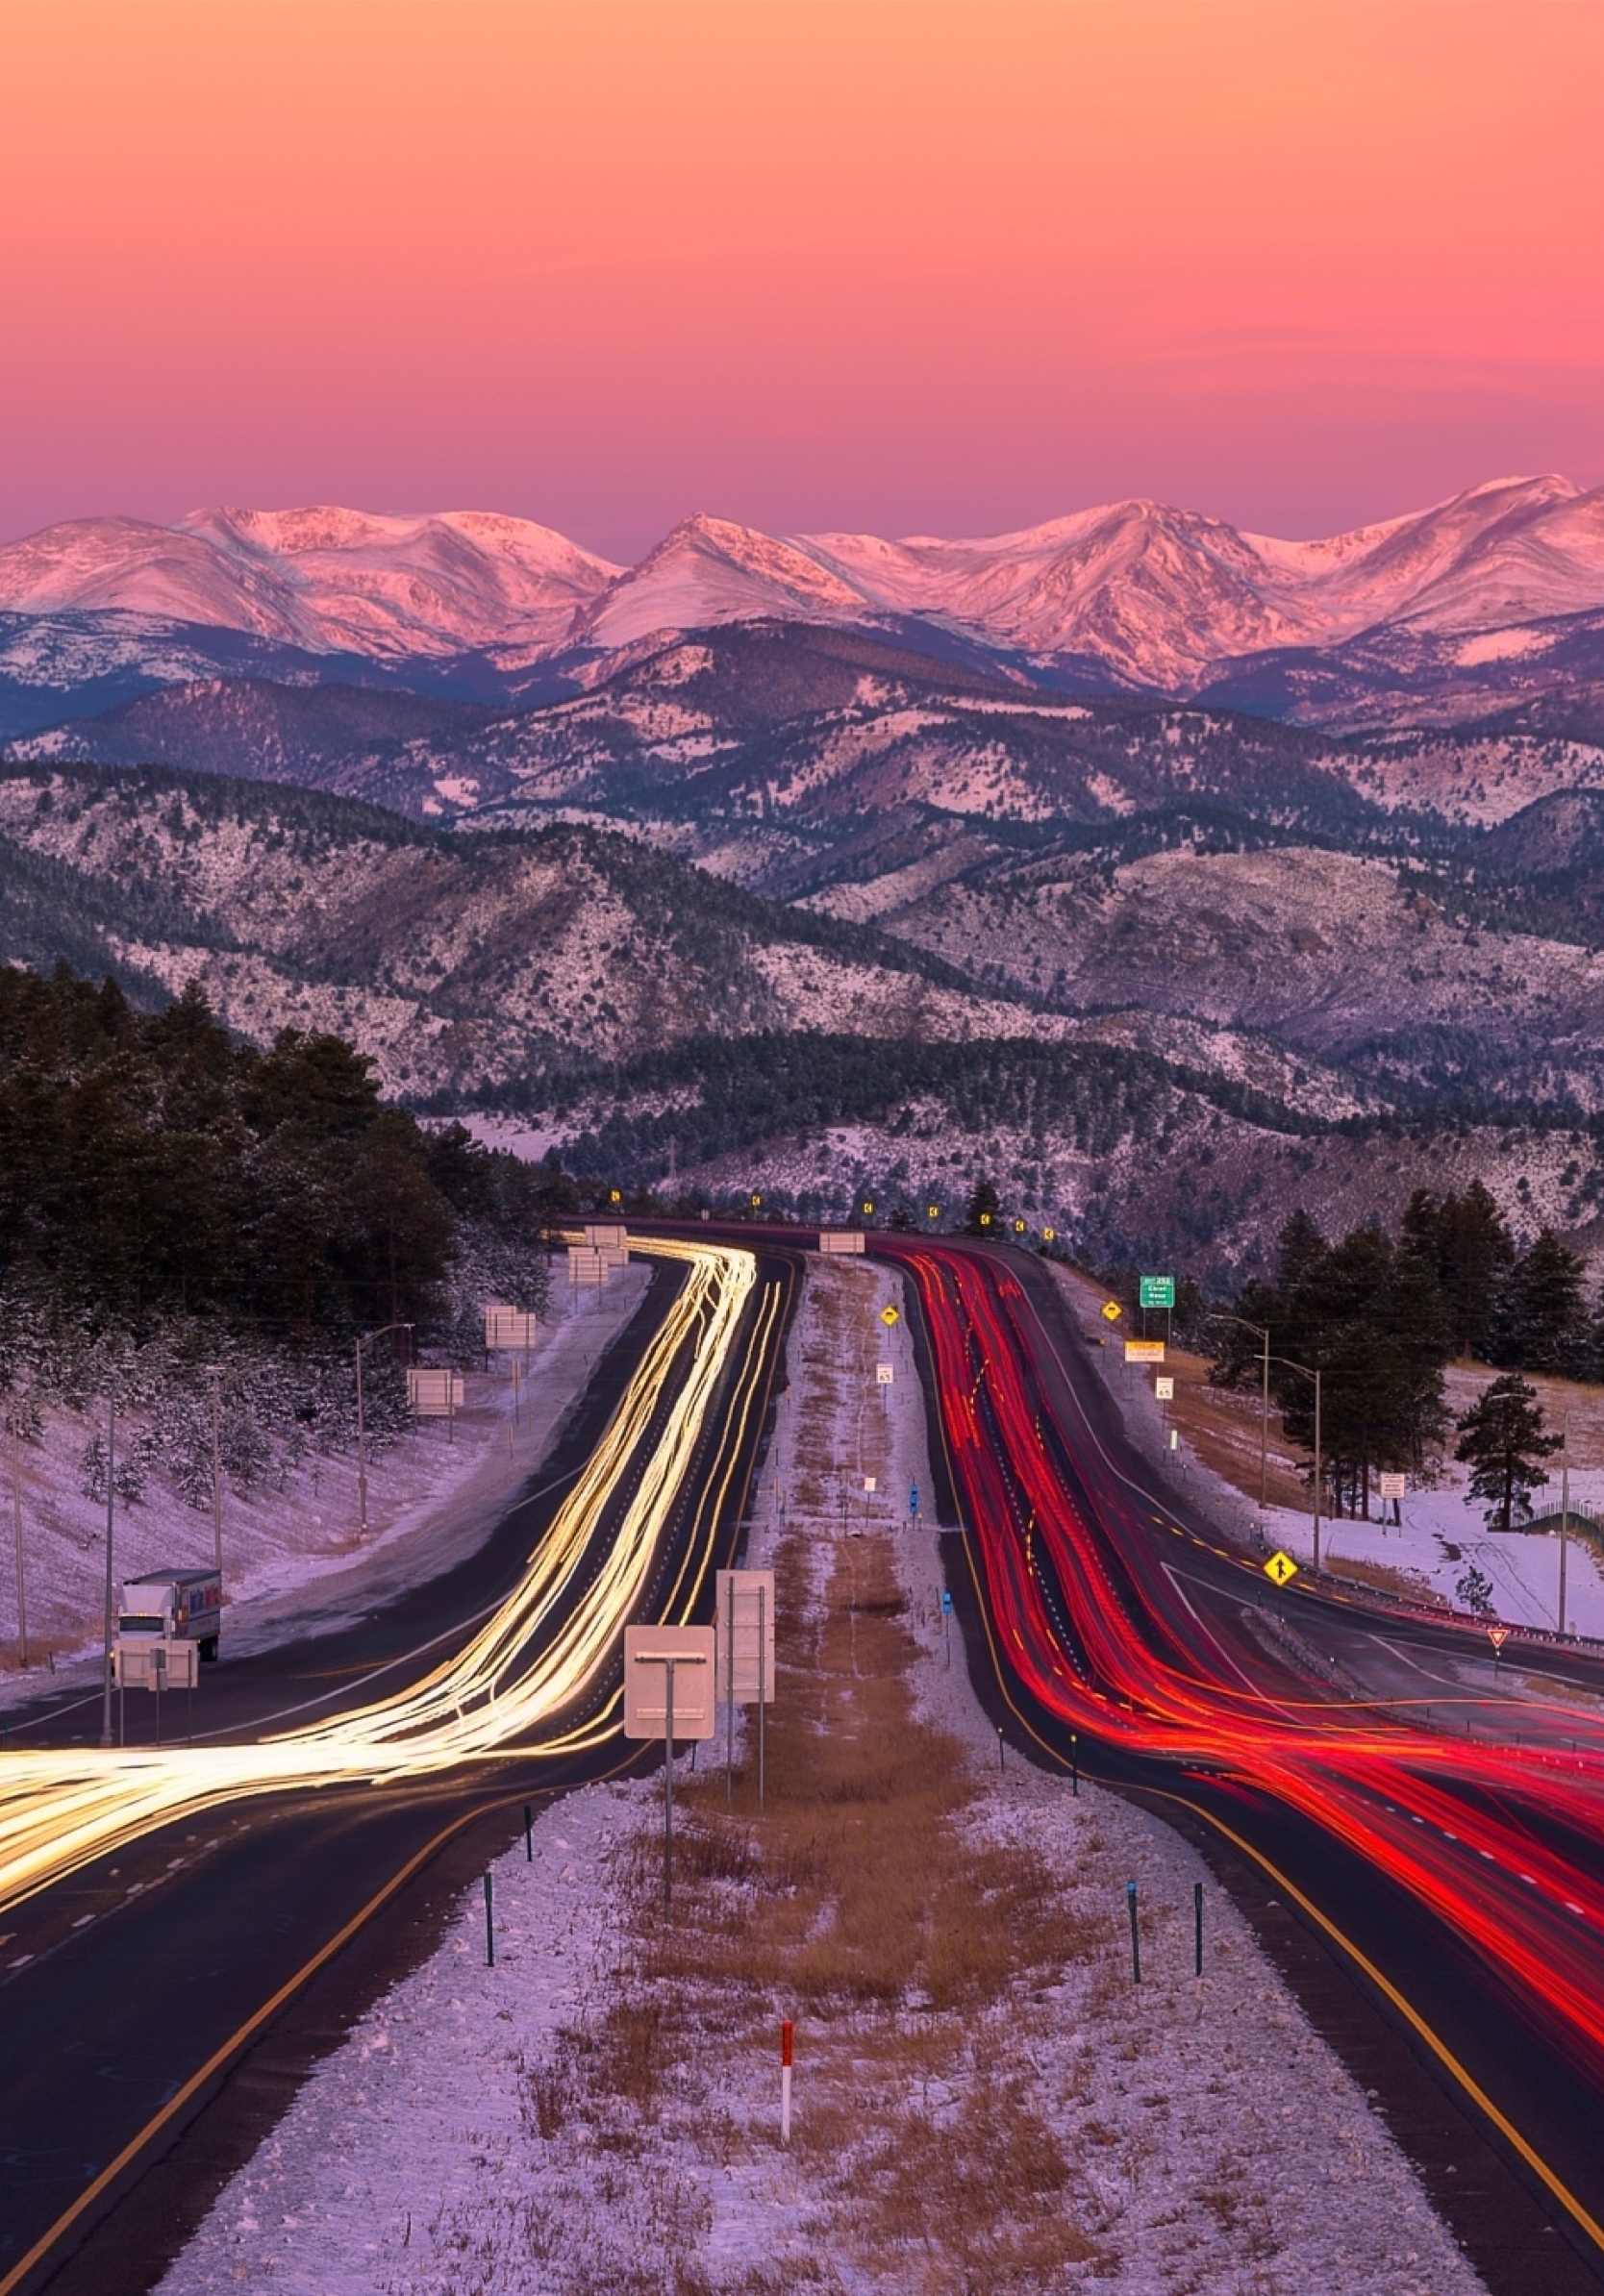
1083,1587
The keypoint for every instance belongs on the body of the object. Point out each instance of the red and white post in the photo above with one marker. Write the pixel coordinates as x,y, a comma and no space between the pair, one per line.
784,2082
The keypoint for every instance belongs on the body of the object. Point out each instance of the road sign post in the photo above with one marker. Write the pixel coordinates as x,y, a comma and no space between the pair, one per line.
946,1620
653,1656
745,1656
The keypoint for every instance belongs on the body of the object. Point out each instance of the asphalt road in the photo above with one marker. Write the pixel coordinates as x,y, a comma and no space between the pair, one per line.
1456,1882
141,1998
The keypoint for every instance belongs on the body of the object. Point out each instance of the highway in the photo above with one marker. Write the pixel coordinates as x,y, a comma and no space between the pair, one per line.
1318,1742
183,1927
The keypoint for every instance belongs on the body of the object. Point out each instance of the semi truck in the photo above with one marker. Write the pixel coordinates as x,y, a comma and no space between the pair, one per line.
173,1605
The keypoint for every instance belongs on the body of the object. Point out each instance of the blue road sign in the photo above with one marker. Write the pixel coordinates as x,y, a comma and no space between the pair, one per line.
946,1599
913,1498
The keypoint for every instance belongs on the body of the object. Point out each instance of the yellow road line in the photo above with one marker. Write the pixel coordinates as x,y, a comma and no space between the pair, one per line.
760,1359
1461,2074
238,2040
1406,2008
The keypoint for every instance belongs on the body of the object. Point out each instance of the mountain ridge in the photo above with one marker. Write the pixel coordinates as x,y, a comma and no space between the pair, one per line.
1158,599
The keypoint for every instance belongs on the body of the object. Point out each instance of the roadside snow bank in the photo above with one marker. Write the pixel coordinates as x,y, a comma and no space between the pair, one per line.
293,1561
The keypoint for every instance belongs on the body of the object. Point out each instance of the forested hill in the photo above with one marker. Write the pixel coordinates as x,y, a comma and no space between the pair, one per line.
153,1166
454,962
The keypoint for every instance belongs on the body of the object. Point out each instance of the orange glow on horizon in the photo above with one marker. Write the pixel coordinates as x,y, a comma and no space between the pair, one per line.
894,263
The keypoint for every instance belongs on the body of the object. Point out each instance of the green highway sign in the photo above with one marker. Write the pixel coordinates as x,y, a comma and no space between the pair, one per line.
1157,1291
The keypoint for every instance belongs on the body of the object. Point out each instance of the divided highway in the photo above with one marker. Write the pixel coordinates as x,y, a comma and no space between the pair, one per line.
163,1910
1460,1877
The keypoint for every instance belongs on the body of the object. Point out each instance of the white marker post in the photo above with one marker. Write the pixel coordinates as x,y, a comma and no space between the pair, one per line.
784,2082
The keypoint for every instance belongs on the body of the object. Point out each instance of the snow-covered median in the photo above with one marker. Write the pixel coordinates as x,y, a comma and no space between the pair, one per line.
984,2099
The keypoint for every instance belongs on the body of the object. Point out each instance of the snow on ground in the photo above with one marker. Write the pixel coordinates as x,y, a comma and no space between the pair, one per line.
293,1561
1443,1532
502,2131
1444,1535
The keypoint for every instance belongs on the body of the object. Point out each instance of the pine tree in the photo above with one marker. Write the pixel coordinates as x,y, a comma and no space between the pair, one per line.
1300,1247
1543,1317
1371,1318
1466,1243
1502,1440
985,1214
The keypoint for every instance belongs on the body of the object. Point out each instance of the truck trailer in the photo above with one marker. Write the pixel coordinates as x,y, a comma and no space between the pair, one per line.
173,1605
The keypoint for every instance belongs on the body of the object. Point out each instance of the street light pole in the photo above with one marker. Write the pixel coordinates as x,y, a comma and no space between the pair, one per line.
362,1452
217,1476
1222,1315
111,1498
1564,1506
1311,1371
1317,1493
16,1524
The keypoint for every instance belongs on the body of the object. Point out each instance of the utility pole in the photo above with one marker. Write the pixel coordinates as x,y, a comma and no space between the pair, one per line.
362,1425
111,1501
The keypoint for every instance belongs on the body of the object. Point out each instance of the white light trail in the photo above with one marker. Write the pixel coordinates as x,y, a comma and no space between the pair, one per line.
60,1807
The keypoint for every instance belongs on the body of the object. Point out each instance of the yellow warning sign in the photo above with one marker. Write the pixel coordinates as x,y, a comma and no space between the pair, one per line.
887,1316
1112,1311
1281,1567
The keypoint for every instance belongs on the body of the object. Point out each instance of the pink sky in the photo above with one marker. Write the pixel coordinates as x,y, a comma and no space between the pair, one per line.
940,268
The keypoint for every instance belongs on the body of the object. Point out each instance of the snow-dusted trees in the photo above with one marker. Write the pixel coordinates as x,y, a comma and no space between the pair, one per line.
150,1166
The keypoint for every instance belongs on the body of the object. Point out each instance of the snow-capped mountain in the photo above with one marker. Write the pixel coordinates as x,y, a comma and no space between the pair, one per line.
1135,594
330,581
1165,597
1168,596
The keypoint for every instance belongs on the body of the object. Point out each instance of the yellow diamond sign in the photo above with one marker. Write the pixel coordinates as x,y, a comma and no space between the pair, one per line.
887,1316
1281,1567
1112,1311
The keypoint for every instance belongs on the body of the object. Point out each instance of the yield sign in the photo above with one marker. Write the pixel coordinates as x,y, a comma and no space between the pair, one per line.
1281,1567
1497,1637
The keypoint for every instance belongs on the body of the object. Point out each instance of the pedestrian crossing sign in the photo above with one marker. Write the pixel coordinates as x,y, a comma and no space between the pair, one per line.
1281,1567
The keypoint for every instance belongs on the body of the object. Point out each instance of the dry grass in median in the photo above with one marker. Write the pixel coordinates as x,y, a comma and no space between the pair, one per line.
862,1904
